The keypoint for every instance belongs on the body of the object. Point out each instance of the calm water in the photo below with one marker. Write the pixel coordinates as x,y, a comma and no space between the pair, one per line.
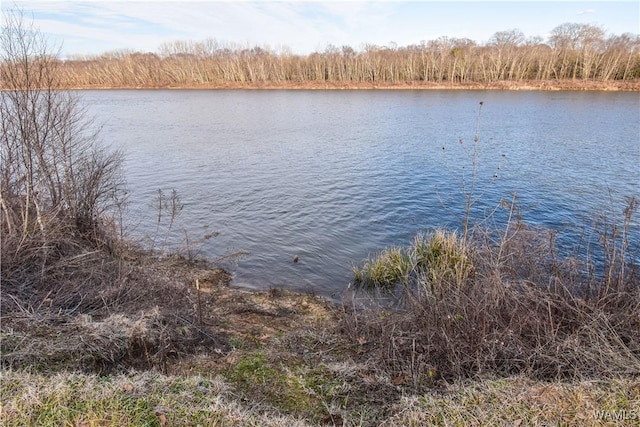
334,176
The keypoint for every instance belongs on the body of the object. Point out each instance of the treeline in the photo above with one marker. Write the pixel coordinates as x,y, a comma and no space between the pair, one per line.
572,51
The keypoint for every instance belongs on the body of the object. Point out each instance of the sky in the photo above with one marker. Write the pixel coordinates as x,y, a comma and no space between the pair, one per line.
99,26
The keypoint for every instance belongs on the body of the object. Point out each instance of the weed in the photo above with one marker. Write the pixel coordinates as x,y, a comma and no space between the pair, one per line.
502,301
167,209
432,262
473,185
385,270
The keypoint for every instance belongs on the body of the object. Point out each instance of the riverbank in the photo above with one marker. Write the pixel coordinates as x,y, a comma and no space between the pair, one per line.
170,342
276,360
527,85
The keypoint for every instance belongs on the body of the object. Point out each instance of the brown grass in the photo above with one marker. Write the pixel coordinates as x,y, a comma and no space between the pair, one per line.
106,314
524,311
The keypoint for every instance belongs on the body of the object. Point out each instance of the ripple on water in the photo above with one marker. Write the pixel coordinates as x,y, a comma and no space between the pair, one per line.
334,176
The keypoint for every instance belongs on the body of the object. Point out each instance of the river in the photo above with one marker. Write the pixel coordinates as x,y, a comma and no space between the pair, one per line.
330,177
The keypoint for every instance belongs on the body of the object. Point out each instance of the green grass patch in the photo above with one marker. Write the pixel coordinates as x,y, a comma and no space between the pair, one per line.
432,261
288,386
385,270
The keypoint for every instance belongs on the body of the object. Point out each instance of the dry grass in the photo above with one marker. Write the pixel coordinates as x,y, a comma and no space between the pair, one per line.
277,358
524,310
106,312
151,398
125,338
519,401
126,400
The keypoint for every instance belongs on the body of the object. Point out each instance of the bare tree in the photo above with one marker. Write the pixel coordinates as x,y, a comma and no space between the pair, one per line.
572,51
56,179
504,58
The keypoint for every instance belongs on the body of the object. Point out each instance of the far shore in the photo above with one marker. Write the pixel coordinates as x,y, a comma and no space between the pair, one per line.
528,85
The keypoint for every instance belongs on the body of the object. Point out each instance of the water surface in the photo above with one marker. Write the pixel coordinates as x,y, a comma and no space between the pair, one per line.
332,176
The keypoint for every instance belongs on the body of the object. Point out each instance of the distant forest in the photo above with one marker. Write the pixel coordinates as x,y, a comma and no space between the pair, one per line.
572,51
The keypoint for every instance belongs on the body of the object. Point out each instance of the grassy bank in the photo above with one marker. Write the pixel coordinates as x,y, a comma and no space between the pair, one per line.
492,328
154,399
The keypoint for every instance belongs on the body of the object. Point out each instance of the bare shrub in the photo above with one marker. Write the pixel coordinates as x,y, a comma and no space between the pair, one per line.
524,311
57,182
75,295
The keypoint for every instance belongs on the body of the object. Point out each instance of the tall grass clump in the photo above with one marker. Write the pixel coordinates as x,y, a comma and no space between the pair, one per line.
503,300
443,259
433,261
385,270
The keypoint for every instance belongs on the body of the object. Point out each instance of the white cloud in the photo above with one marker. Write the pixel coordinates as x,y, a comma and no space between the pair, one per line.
587,11
95,26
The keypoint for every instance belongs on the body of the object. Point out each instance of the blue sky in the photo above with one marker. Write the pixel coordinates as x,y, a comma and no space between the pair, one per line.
94,27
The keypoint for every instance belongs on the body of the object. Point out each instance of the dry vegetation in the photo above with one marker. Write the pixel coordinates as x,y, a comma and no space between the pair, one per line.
488,327
501,303
155,399
575,56
506,300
